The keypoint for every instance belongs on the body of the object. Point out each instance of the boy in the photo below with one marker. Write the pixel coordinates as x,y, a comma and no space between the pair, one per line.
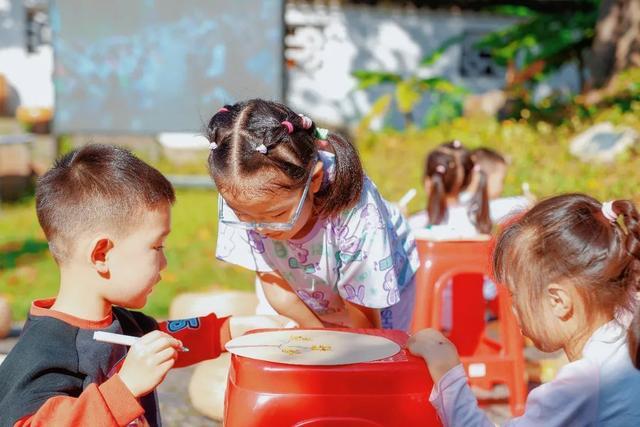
106,215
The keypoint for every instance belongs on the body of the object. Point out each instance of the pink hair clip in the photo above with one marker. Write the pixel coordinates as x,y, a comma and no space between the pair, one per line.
288,125
213,146
223,110
608,212
457,143
306,121
441,169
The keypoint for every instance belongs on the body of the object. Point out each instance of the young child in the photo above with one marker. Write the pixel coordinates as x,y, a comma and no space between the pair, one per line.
448,171
572,270
328,249
106,215
495,166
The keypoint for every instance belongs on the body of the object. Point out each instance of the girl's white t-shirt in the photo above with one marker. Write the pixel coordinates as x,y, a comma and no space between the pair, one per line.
366,255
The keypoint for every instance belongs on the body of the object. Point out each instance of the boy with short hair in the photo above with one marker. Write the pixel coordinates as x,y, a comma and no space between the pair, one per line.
106,215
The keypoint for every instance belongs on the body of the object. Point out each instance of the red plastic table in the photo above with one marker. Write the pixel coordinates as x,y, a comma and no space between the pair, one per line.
389,392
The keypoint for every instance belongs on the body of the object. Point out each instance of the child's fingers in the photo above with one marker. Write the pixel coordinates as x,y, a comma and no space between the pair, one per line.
165,366
166,354
151,336
162,342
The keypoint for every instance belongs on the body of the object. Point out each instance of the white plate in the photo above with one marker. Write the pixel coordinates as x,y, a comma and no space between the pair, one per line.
313,347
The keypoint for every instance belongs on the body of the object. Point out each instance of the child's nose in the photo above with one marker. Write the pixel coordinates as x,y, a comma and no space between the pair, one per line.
163,261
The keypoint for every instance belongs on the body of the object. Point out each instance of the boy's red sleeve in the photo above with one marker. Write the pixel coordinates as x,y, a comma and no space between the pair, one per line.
109,404
201,335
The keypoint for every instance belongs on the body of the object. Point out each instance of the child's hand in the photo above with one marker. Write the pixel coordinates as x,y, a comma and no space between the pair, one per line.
148,361
439,353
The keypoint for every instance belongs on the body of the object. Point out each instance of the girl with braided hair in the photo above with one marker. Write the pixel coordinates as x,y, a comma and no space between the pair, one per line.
572,266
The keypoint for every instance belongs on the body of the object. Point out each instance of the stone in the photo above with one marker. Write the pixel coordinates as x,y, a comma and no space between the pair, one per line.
208,385
184,148
488,104
602,143
222,303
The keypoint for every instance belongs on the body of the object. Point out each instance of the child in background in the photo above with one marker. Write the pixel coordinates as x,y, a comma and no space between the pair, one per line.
572,271
106,215
495,166
448,171
328,249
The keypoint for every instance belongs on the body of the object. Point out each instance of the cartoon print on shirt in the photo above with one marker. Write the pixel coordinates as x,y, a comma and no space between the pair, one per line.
255,240
355,295
314,300
299,251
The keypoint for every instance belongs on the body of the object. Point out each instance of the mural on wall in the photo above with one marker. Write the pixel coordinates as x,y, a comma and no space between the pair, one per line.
159,65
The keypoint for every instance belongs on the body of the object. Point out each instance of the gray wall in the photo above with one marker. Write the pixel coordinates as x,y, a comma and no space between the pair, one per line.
161,65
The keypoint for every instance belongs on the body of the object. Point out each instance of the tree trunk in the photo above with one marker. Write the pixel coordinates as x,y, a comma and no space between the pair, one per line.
617,42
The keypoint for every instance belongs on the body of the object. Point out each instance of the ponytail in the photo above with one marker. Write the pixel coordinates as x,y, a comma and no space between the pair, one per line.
437,204
479,205
631,221
346,188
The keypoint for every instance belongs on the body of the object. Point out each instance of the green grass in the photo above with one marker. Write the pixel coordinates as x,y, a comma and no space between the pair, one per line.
27,270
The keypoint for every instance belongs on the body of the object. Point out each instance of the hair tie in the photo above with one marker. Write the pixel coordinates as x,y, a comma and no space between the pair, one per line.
288,125
306,121
457,143
213,146
261,149
223,110
321,133
608,212
477,168
441,169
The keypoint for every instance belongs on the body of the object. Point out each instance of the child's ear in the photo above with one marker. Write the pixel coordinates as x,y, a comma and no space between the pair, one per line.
316,179
560,300
99,257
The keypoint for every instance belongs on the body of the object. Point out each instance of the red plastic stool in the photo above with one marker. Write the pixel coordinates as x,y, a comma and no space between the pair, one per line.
388,392
487,361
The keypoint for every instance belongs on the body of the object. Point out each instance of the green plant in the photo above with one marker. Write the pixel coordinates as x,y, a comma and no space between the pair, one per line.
409,90
549,40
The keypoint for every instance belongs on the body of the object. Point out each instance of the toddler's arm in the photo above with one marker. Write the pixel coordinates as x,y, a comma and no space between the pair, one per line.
286,302
571,399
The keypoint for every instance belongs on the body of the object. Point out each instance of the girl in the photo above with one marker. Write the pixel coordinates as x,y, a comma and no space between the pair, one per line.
495,166
448,171
573,273
328,249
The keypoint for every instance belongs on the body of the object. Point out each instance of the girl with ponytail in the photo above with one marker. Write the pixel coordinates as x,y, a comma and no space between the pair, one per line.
296,207
571,265
448,171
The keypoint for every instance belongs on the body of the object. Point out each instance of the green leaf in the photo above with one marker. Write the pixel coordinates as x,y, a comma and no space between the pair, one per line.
368,79
407,95
437,53
440,84
378,109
